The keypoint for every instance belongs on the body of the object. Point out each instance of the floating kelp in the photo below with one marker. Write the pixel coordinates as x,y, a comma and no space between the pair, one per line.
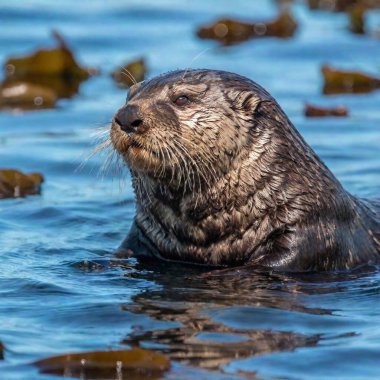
63,88
357,21
24,95
130,73
314,111
341,5
55,70
135,364
14,184
331,5
337,81
229,31
57,62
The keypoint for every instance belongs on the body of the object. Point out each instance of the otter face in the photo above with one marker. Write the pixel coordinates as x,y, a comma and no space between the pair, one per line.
187,126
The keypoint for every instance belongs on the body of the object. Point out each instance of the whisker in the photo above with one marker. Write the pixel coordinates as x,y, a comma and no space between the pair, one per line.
125,71
194,59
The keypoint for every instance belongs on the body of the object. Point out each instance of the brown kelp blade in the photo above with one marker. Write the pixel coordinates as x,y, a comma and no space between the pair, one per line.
14,183
230,31
59,61
316,111
26,96
357,19
341,5
339,81
54,73
130,73
135,364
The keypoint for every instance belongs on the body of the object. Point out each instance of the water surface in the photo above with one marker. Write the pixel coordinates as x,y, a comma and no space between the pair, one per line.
62,291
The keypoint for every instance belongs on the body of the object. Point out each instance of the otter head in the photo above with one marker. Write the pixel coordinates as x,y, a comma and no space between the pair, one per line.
186,128
252,190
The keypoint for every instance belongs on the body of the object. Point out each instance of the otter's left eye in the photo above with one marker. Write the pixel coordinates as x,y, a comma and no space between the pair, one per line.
182,100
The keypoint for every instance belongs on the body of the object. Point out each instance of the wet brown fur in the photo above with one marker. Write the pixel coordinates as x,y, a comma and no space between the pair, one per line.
227,180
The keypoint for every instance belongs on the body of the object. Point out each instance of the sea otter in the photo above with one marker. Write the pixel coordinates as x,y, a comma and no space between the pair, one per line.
223,178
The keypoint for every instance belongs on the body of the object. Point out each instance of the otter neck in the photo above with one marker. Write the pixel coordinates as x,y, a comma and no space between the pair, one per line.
268,187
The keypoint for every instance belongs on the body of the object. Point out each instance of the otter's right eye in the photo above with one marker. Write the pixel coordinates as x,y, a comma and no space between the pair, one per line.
182,100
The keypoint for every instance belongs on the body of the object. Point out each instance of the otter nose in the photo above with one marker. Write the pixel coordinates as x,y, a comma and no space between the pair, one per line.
129,119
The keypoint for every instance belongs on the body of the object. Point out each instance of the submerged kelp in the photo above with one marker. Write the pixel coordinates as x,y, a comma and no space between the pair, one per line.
340,81
130,73
136,364
316,111
14,184
230,31
39,79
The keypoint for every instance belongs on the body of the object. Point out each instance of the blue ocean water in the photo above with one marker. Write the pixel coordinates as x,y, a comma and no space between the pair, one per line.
61,290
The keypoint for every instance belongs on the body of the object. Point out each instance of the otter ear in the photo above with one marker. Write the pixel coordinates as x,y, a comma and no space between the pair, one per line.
246,101
264,108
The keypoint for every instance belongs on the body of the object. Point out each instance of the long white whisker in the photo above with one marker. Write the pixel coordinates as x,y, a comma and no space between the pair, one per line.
194,59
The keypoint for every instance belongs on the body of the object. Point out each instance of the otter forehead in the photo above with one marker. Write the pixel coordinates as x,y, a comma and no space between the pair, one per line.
173,81
210,79
182,77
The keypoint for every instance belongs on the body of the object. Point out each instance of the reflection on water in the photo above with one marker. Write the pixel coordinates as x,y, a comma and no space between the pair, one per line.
62,290
223,317
201,340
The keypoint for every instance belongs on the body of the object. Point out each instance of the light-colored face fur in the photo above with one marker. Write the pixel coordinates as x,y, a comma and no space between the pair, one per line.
189,145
